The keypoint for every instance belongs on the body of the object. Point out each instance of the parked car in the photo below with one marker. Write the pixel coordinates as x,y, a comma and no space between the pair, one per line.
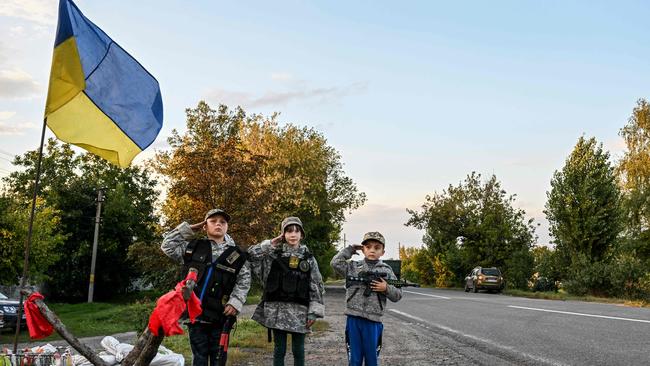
8,310
484,279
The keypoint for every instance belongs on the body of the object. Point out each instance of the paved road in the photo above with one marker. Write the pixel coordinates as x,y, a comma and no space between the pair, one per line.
532,331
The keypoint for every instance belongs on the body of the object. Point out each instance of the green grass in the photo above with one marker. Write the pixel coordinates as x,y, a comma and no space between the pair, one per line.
84,320
561,295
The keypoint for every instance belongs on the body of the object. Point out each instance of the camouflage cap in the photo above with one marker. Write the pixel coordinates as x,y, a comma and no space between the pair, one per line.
292,220
217,211
373,235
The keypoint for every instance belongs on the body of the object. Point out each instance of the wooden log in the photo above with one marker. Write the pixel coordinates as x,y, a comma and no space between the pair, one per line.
60,328
146,347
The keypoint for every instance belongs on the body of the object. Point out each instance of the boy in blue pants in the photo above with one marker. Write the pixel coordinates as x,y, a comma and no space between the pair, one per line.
364,308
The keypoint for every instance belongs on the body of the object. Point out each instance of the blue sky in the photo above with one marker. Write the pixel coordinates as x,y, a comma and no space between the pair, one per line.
414,95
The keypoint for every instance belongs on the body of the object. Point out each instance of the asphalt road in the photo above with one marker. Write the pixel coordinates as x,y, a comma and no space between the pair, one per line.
531,331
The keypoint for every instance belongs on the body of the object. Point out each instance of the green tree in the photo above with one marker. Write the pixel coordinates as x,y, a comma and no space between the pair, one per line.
69,185
475,223
634,173
45,245
584,206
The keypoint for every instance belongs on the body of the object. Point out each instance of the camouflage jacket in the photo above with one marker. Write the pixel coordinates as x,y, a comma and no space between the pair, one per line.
175,242
370,307
288,316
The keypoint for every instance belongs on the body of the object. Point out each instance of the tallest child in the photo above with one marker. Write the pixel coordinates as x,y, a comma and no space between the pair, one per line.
224,278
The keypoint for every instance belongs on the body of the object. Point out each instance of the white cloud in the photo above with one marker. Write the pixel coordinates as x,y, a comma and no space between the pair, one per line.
281,76
17,84
275,98
6,114
37,11
13,129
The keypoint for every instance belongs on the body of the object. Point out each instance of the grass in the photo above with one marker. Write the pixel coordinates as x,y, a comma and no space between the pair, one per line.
561,295
84,320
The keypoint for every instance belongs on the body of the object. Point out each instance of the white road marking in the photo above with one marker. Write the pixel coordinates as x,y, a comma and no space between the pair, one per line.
419,293
491,343
581,314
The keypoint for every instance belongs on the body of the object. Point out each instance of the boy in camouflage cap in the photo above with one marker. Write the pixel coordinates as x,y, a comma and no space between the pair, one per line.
363,328
293,289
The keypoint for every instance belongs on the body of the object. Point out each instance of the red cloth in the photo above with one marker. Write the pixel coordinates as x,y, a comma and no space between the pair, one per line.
38,326
171,306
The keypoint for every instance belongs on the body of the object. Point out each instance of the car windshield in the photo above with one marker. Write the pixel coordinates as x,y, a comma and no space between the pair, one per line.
3,297
491,272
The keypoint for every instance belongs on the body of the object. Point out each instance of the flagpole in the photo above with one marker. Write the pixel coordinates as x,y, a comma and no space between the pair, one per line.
23,280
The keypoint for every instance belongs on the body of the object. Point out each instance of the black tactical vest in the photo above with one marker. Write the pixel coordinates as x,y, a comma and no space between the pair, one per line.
289,279
217,279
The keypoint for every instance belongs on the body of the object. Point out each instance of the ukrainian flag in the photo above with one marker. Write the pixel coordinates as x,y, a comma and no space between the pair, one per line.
100,98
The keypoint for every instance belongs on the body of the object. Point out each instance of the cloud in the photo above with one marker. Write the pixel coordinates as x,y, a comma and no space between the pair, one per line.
13,129
6,114
37,11
17,84
275,98
281,76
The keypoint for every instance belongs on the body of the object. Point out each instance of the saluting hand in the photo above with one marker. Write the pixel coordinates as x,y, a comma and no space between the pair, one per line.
275,241
357,248
197,226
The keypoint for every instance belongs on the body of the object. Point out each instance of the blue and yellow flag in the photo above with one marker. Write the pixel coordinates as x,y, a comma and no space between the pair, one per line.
100,98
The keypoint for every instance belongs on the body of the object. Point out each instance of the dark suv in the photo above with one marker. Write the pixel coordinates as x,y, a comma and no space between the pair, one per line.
8,310
484,279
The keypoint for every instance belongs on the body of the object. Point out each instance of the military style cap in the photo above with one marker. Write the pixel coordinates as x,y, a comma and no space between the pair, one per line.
373,235
292,220
217,211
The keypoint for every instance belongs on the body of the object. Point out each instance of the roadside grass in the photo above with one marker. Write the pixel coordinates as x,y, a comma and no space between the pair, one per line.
247,336
84,319
561,295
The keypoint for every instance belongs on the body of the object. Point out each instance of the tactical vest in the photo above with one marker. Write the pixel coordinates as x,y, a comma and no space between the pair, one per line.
217,279
289,279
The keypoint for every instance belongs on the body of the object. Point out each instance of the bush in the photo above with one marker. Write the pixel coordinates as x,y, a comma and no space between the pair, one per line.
519,268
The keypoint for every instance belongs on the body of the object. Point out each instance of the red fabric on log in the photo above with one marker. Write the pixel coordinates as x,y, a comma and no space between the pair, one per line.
38,326
171,306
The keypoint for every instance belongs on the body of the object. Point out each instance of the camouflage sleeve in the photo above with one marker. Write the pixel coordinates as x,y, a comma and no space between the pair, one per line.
256,255
259,251
316,291
242,286
393,293
339,262
175,241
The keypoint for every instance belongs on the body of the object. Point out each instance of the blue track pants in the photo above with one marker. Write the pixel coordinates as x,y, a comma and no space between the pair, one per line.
363,338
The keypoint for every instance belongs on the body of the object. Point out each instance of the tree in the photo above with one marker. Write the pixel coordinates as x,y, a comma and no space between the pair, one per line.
634,173
69,185
474,224
583,206
259,173
46,240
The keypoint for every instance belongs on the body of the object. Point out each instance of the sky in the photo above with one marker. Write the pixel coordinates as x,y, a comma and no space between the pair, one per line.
414,95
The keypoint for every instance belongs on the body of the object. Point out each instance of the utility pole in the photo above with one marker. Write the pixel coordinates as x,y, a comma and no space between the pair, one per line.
91,285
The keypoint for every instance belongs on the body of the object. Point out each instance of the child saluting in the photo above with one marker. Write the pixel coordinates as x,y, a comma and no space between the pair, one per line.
363,328
293,289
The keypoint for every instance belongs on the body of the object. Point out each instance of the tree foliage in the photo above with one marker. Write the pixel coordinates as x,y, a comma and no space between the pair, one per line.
472,224
69,184
259,172
583,206
634,173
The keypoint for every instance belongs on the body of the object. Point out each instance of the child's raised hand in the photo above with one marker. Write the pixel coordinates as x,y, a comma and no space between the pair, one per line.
275,241
197,226
379,285
357,247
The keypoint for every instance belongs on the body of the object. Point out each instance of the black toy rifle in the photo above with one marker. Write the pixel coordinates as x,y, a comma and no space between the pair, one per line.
222,352
366,278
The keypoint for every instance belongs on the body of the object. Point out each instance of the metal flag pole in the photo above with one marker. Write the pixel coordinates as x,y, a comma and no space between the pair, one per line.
23,280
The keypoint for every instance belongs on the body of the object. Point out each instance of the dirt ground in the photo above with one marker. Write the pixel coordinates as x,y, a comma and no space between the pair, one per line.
403,343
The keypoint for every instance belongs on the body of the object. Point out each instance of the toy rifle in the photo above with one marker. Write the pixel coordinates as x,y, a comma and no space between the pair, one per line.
366,278
222,351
